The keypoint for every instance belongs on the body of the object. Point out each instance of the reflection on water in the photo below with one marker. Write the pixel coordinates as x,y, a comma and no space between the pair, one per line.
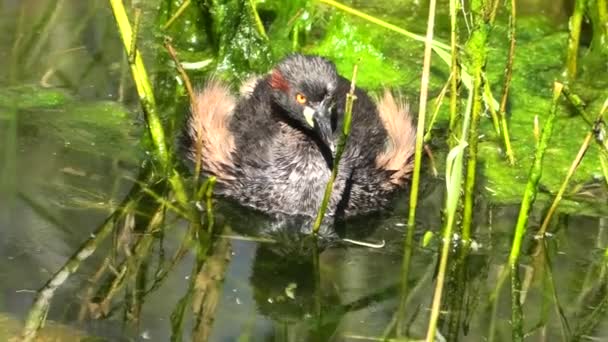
74,158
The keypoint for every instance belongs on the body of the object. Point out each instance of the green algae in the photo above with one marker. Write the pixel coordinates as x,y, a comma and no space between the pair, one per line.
99,128
346,43
30,96
538,62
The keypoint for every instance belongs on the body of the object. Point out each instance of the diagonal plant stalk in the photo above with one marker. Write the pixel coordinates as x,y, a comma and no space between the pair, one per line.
558,197
39,309
435,44
437,104
348,110
575,163
182,8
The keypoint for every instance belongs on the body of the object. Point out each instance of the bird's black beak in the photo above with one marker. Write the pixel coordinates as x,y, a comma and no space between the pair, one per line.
320,117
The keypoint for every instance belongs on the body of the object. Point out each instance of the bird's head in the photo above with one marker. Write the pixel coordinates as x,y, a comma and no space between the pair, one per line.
304,87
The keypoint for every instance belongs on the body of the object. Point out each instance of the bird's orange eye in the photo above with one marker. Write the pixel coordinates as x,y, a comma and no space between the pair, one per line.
300,98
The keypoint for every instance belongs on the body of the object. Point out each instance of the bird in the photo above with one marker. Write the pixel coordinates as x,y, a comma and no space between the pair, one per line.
271,147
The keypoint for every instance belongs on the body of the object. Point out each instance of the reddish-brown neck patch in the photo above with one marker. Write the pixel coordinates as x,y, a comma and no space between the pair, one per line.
277,81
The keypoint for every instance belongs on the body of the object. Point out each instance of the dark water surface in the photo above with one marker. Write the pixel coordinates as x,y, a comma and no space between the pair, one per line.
70,150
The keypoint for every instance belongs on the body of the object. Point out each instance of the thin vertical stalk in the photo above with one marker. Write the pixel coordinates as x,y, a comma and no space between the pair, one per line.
524,211
191,96
142,84
455,74
505,91
453,184
350,99
476,48
574,39
411,222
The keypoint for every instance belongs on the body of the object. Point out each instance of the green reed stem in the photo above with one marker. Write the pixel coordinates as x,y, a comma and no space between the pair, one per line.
348,110
453,186
142,84
455,74
411,221
477,51
524,212
574,39
507,85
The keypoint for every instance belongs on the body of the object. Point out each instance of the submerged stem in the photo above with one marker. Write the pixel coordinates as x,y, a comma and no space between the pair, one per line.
524,212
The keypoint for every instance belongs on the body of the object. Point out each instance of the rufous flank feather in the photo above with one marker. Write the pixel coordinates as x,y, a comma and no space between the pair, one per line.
208,129
397,157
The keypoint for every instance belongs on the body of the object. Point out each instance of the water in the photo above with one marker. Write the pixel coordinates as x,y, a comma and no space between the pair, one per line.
70,147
